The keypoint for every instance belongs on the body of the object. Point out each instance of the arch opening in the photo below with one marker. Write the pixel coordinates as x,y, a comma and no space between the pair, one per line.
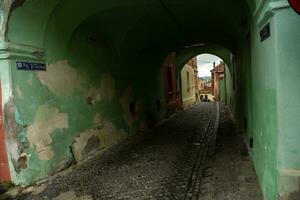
206,77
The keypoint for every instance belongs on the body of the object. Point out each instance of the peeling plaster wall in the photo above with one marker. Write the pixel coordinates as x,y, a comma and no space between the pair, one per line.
46,120
13,144
56,81
95,139
80,105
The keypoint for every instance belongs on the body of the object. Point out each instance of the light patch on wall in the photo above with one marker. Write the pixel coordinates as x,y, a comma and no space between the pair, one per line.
47,119
13,145
30,80
126,101
107,90
96,138
94,94
61,78
19,92
97,119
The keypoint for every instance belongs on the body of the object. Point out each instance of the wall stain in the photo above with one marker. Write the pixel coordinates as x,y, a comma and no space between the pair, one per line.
107,89
92,143
12,129
61,78
96,138
293,195
22,161
47,119
19,92
90,101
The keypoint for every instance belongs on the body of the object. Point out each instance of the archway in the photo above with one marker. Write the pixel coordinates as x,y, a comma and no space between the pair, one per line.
217,88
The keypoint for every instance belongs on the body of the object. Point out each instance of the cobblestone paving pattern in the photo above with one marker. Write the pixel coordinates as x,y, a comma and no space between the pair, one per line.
230,174
176,160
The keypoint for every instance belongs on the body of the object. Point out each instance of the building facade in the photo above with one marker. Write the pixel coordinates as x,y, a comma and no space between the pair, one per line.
189,83
218,82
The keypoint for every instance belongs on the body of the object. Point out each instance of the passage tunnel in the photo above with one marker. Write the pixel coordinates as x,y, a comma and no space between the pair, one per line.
78,77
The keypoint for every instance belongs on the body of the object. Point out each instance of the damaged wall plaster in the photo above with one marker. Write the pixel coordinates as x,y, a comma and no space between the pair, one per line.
18,92
96,138
290,187
12,129
97,119
61,78
47,119
86,99
107,90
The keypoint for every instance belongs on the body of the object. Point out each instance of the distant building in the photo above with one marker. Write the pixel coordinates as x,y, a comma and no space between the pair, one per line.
201,84
205,92
218,82
189,83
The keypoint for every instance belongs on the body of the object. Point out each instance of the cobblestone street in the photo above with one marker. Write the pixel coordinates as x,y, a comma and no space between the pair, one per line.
196,154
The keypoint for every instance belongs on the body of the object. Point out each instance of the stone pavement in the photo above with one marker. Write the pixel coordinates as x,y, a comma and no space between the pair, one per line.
194,155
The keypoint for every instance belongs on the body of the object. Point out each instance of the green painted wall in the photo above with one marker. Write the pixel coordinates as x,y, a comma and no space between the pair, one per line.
266,92
80,77
287,35
262,126
85,91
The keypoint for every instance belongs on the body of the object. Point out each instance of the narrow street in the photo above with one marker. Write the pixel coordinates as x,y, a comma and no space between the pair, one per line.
196,154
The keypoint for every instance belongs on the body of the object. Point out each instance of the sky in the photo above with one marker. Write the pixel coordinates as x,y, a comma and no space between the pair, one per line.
205,64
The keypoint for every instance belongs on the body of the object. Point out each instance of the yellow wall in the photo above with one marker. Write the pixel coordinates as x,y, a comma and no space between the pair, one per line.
187,86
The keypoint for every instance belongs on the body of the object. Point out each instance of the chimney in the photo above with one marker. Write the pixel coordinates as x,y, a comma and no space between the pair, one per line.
214,64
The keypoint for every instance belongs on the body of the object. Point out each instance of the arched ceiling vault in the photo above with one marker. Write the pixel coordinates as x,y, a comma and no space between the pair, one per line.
139,27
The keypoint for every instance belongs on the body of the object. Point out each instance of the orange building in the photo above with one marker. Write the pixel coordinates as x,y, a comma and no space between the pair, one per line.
217,75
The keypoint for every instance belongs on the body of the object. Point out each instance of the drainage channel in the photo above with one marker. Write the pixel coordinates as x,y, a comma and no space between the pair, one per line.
205,145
